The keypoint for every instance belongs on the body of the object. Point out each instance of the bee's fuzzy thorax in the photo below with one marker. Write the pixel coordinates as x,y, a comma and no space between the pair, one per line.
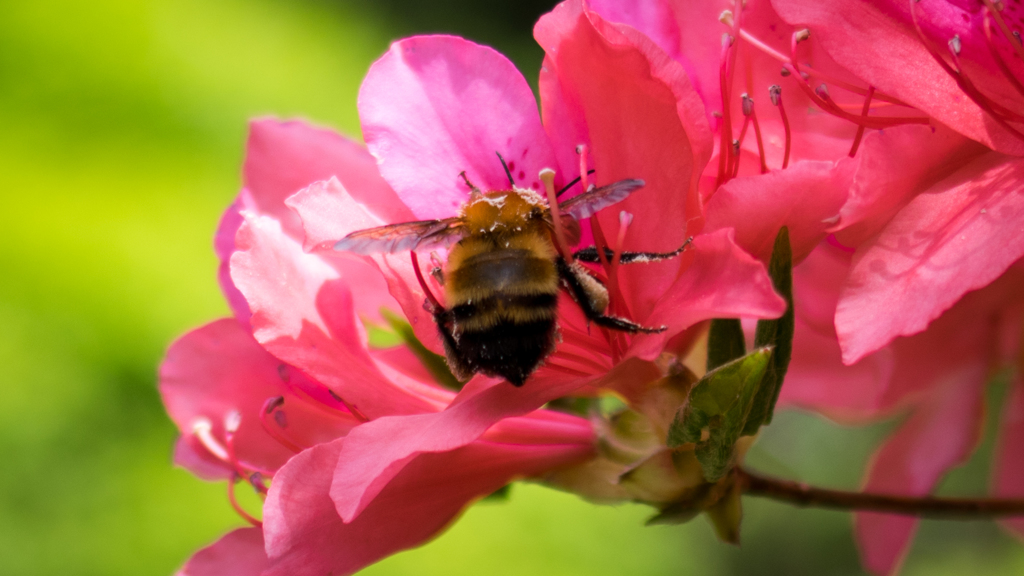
504,211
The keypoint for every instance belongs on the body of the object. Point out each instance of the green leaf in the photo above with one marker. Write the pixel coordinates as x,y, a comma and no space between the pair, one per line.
717,411
727,514
725,342
435,364
777,333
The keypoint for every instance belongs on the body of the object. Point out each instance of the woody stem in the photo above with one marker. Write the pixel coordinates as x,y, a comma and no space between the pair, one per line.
803,495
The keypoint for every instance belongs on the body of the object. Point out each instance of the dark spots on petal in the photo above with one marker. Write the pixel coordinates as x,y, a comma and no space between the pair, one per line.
535,185
521,174
965,17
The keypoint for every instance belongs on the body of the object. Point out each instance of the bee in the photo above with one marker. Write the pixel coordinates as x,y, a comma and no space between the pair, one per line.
504,273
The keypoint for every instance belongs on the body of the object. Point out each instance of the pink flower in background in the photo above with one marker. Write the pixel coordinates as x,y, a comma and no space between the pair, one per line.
913,301
369,455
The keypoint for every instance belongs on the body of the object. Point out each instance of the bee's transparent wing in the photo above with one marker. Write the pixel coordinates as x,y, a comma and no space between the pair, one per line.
402,237
592,201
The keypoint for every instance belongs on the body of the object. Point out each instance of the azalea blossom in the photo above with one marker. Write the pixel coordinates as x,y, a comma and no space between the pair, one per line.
350,433
910,305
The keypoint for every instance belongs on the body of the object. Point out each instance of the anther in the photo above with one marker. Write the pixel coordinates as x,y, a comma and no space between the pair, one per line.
275,429
954,44
726,17
547,176
1017,36
774,92
822,92
802,34
748,104
784,72
727,40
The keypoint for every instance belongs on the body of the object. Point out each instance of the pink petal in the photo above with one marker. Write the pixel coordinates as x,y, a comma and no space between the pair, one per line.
940,434
304,313
643,120
806,197
891,168
877,42
223,246
285,157
817,378
959,235
328,214
723,282
190,454
1008,475
237,553
367,465
219,369
435,106
306,536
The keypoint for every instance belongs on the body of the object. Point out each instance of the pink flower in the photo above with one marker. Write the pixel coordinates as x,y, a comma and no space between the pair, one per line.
375,434
246,413
902,308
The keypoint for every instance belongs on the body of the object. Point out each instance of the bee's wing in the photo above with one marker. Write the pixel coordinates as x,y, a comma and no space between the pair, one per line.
591,202
402,237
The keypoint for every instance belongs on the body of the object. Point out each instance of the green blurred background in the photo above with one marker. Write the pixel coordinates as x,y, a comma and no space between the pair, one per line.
122,126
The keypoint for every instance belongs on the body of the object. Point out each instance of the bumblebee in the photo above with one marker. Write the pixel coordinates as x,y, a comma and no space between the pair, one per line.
505,271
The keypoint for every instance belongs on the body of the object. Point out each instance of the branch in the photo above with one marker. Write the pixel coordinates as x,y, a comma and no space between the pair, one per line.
928,506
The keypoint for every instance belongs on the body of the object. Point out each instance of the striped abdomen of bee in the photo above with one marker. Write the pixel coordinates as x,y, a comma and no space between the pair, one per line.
501,287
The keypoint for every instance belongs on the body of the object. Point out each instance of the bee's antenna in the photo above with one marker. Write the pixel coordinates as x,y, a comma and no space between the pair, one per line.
571,184
465,179
508,173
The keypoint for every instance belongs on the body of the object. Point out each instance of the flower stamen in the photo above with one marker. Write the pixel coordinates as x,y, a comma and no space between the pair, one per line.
748,111
860,129
547,176
961,79
238,507
434,302
775,93
991,9
1003,67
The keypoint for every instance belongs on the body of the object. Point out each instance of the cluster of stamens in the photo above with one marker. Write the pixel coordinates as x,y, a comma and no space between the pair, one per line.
274,422
803,73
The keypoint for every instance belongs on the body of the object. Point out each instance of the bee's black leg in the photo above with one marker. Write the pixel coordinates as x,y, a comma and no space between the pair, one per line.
590,255
588,292
623,325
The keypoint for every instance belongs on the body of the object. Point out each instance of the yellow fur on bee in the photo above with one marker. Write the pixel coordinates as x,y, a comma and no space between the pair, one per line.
507,250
